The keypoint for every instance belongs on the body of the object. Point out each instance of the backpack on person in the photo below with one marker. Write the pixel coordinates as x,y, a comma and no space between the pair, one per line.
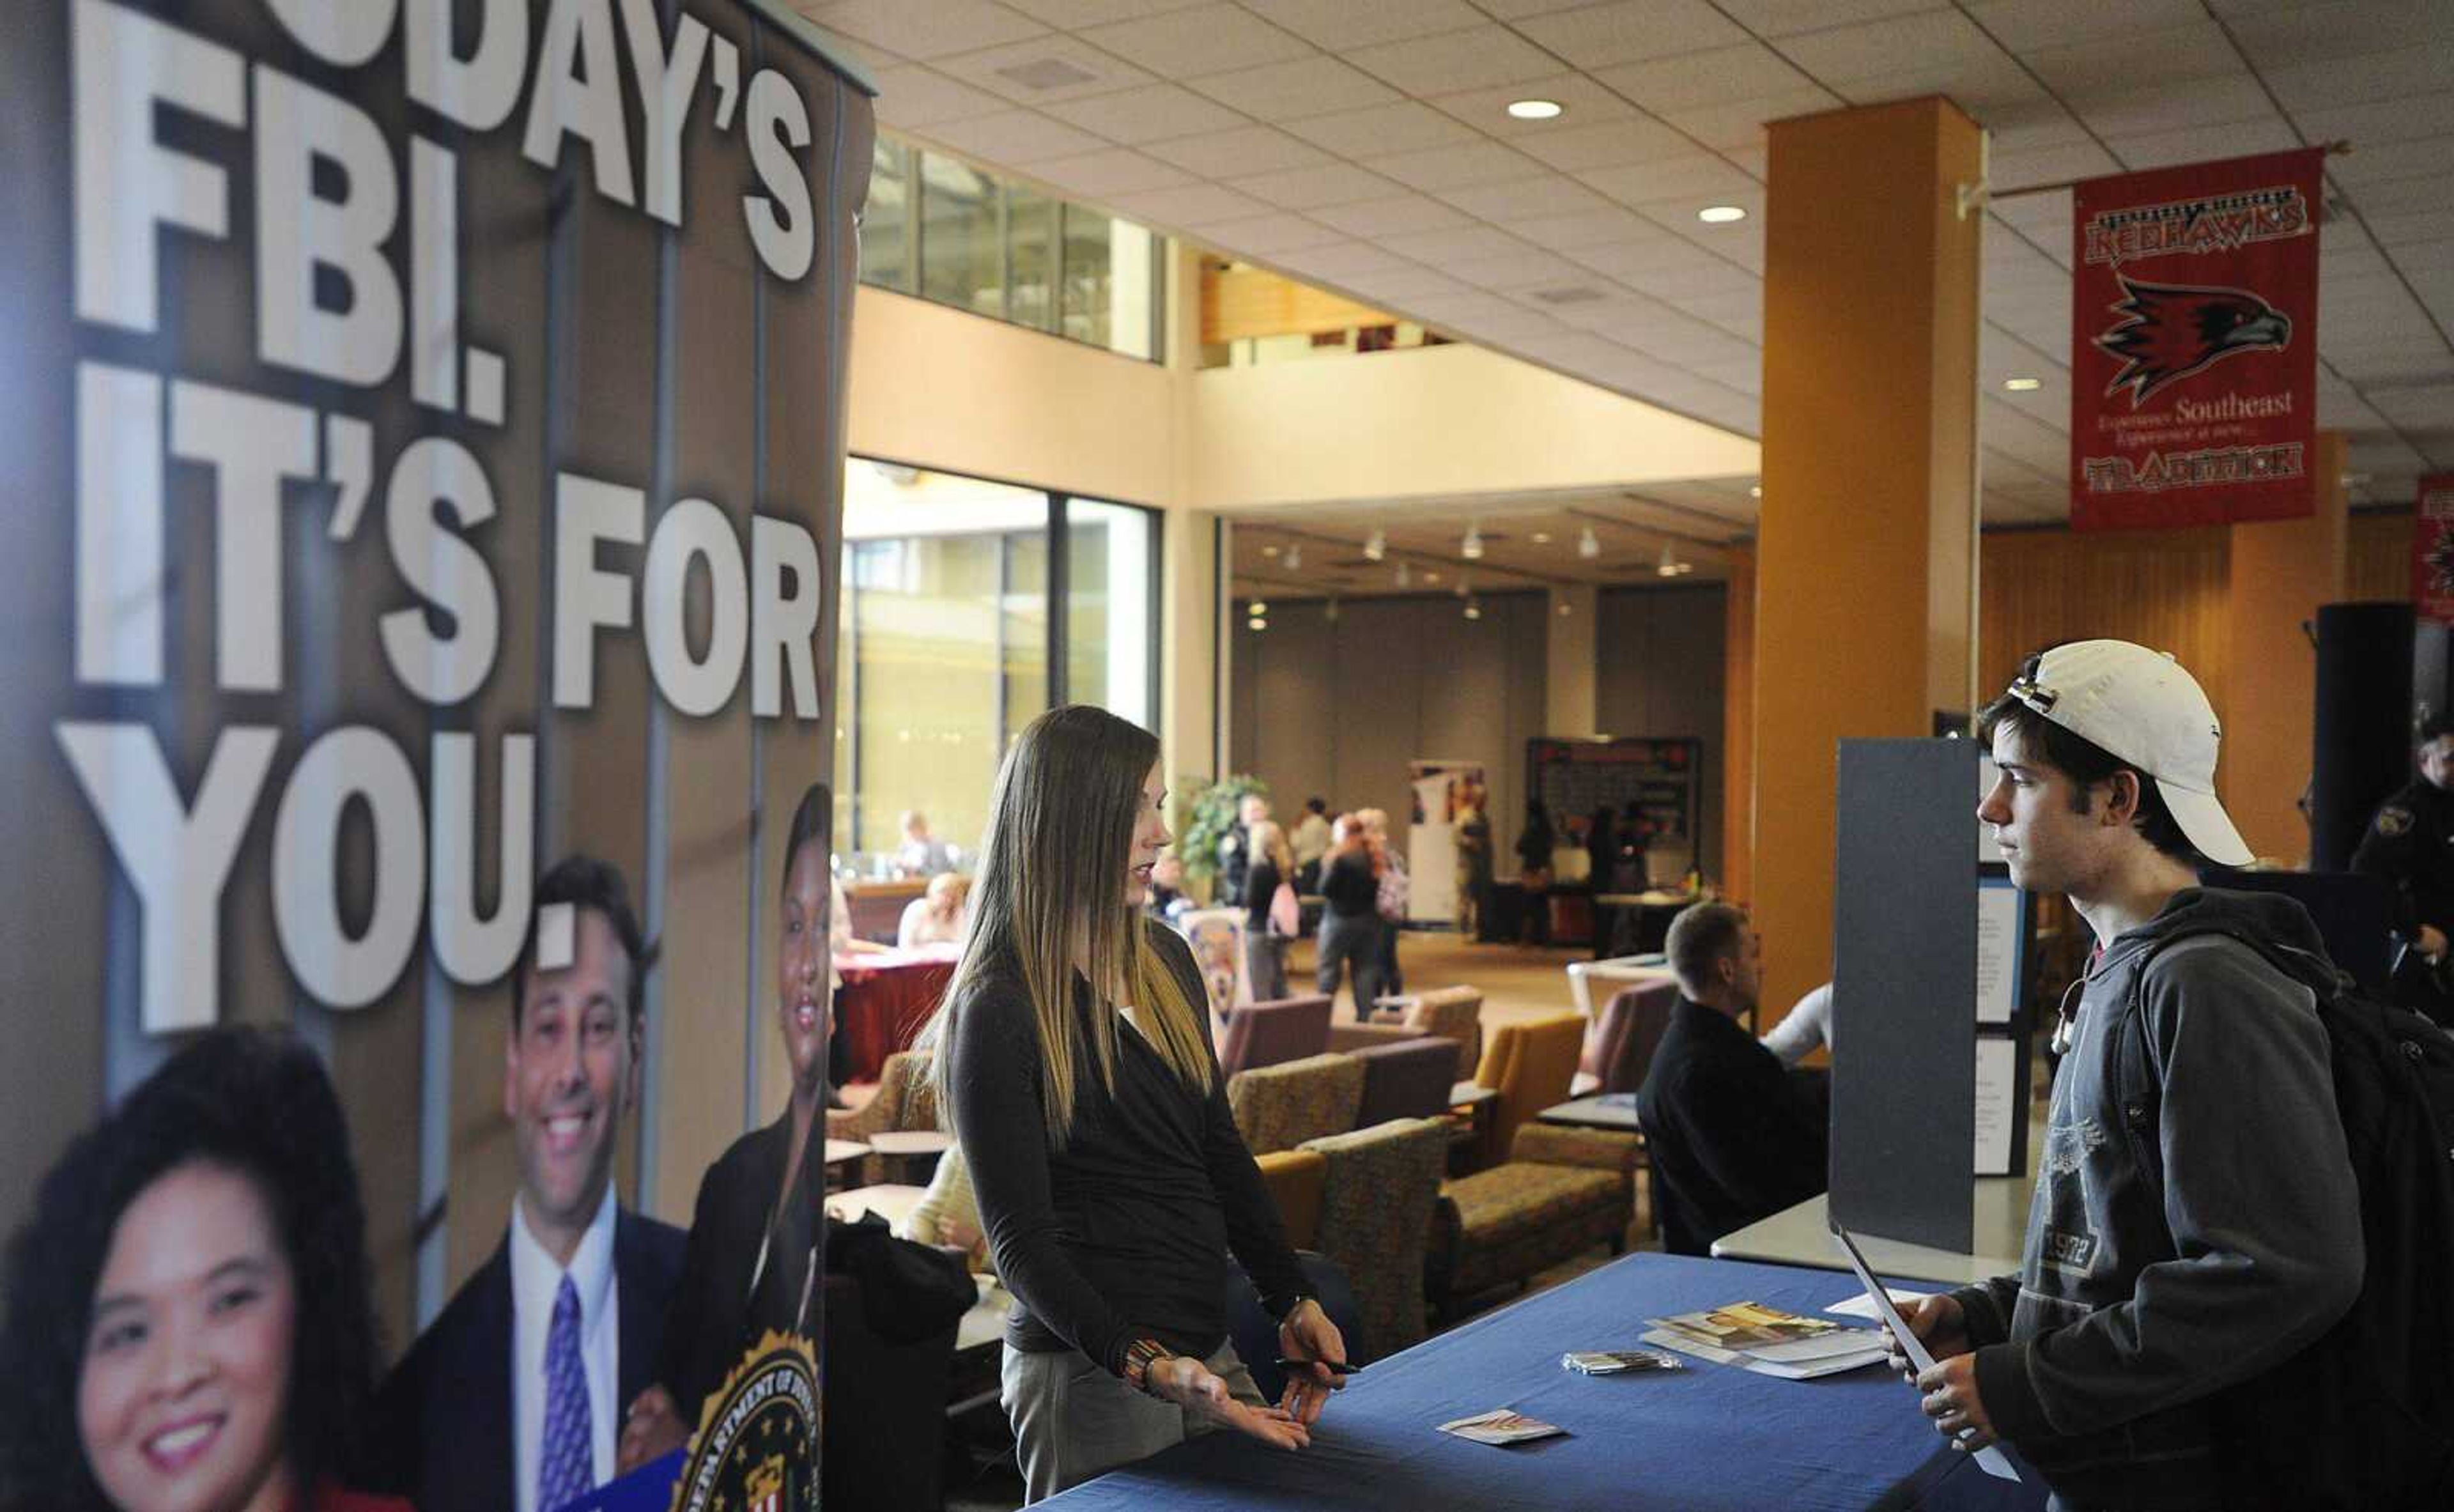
2364,1418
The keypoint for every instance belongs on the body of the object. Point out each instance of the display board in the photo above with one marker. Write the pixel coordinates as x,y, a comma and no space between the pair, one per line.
2006,925
1572,778
1904,978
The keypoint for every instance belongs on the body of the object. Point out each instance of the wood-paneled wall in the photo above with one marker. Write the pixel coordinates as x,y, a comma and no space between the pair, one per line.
2165,589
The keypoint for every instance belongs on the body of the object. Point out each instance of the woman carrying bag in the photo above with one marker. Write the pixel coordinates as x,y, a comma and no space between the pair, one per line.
1272,915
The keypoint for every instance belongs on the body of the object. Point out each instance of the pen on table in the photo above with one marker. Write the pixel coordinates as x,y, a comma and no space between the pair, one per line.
1339,1366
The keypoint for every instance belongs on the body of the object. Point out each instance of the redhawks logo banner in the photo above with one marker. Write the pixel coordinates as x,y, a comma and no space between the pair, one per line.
2432,549
2194,350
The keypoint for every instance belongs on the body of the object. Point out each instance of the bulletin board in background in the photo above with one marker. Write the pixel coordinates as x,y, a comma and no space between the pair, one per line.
1572,778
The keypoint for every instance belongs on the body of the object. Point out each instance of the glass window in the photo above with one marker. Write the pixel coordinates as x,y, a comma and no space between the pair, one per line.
962,261
1089,285
1031,256
1110,555
945,648
886,222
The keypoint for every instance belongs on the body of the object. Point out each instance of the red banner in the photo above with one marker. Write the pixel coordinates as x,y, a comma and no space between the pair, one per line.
2194,343
2432,549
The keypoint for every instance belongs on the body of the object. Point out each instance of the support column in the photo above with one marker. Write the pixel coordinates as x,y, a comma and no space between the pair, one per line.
2282,570
1738,879
1572,675
1867,543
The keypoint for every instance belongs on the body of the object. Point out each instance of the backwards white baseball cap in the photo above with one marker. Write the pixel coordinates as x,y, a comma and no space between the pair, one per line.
2142,706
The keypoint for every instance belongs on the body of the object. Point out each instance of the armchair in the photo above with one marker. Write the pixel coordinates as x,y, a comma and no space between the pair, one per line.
1454,1013
1266,1033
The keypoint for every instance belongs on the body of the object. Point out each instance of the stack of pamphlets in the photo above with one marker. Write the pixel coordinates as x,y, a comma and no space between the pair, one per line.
1769,1342
1502,1425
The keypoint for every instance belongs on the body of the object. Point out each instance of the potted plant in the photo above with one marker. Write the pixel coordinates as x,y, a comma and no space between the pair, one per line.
1203,822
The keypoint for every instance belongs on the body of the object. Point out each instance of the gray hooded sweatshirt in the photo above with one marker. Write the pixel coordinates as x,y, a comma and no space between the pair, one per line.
2136,1300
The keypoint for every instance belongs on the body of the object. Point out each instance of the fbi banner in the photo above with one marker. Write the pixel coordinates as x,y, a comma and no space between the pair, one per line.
2194,343
2432,549
421,441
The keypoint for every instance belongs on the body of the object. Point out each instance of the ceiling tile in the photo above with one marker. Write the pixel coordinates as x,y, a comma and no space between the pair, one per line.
1046,70
1311,188
1593,228
1676,286
2415,70
1192,205
1245,149
1741,123
1873,50
2396,231
1020,137
911,96
1462,244
1977,86
1206,39
1627,259
1515,271
1279,91
1774,18
2007,172
1346,261
1415,283
1154,112
1073,14
1456,167
1611,144
2304,32
1519,9
1343,23
1393,216
1671,178
1583,102
2160,59
2399,195
1401,126
1521,198
925,31
1478,58
2378,162
2201,143
1631,32
2379,122
2024,24
1269,235
1113,171
1753,71
2132,110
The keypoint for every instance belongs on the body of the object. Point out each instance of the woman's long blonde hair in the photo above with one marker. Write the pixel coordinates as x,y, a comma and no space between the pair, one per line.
1047,904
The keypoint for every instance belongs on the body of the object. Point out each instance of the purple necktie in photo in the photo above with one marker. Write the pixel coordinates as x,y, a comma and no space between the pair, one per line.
566,1470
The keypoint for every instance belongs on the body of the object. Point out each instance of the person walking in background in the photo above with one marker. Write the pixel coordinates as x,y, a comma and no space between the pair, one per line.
1534,844
187,1319
2410,843
1269,928
1601,849
1350,925
1310,842
1235,846
1389,867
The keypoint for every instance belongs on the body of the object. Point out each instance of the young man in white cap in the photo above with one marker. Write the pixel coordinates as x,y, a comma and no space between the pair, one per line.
2192,1232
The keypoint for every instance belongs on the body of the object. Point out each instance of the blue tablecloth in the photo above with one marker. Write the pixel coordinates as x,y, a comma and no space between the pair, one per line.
1707,1437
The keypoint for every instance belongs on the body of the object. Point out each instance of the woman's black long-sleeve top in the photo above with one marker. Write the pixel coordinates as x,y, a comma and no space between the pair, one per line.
1352,890
1125,1231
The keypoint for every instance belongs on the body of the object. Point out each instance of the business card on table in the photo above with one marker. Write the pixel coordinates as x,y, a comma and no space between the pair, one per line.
1502,1425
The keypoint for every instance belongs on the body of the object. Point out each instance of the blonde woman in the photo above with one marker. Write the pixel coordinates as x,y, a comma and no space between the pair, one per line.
1386,861
1075,1063
1265,948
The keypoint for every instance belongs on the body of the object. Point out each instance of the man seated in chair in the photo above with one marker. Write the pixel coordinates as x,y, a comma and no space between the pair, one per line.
1732,1141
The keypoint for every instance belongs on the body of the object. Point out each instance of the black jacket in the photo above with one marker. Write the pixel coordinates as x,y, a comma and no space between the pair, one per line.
2410,843
2138,1298
441,1434
1732,1138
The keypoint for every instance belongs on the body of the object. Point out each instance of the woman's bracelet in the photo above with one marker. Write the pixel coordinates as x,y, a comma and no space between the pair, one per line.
1141,1356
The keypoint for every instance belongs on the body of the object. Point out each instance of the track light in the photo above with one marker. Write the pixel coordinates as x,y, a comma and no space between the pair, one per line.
1671,566
1404,576
1589,546
1293,561
1471,548
1377,546
1474,608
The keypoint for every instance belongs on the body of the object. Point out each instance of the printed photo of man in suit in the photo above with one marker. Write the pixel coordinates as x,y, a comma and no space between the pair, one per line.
513,1397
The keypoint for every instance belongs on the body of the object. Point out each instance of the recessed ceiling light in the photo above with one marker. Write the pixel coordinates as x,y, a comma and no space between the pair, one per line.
1377,546
1588,545
1268,551
1535,109
1755,490
2023,385
1540,537
1430,578
1721,215
1293,561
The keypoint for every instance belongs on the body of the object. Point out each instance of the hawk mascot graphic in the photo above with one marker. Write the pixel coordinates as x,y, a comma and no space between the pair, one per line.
2170,330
